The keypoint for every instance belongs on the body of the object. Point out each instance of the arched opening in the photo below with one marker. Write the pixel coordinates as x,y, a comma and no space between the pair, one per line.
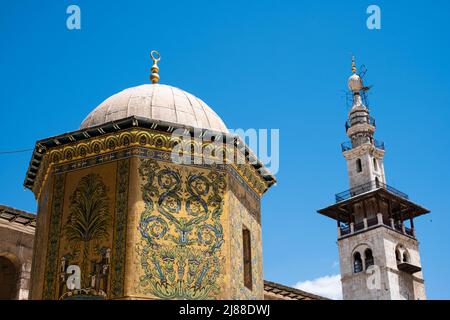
398,256
357,263
358,165
8,279
405,256
375,164
368,258
377,182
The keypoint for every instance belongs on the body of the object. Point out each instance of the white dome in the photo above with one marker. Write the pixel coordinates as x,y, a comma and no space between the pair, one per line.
156,102
355,83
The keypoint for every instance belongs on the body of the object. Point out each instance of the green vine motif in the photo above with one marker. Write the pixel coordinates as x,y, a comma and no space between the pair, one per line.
119,248
148,189
180,251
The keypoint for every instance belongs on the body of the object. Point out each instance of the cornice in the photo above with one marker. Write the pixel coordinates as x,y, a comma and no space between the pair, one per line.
363,149
360,127
146,138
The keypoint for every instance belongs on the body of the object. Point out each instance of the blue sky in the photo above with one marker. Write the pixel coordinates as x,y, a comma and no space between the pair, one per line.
259,64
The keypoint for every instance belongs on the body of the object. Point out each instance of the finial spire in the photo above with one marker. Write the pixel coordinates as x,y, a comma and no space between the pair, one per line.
353,65
154,76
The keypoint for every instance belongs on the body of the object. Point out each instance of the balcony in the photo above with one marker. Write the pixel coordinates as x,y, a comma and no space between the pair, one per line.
408,267
357,120
367,224
366,187
346,146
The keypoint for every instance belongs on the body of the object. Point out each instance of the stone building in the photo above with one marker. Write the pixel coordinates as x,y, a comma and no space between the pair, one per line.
379,253
16,248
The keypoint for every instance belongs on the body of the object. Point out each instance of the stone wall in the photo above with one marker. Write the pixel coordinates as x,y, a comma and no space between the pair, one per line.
393,283
16,249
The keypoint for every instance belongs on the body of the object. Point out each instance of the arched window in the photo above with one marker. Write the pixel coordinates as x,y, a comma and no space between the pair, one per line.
377,182
8,279
398,256
375,164
368,258
358,165
357,263
405,256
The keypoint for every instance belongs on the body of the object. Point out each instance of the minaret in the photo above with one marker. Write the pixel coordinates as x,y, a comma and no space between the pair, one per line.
365,163
379,253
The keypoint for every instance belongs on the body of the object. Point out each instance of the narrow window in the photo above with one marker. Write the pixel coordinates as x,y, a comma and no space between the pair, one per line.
246,242
397,256
375,164
377,182
369,258
357,262
358,165
405,257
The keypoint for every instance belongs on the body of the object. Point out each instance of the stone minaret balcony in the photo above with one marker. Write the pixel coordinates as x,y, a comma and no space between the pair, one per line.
373,205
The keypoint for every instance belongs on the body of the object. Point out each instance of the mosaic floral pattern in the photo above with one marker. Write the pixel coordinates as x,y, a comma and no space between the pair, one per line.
118,265
182,233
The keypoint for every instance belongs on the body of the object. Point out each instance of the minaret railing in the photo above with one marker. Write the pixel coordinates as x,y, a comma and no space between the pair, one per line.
362,119
366,187
347,145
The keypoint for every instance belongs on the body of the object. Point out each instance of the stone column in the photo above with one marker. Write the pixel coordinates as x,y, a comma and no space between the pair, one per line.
23,281
380,218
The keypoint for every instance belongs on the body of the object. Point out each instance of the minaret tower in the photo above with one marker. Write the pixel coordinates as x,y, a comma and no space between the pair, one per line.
379,252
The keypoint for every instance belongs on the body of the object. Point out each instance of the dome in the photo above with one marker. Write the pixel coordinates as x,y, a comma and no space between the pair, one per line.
355,83
156,102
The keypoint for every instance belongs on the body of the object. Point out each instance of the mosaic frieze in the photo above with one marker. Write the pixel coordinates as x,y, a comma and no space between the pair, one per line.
141,138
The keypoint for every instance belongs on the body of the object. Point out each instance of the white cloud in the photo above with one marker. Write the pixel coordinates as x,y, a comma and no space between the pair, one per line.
327,286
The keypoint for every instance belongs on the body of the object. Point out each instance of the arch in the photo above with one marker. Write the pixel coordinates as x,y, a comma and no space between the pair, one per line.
357,262
402,254
375,164
358,165
368,258
9,274
405,256
377,182
398,256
